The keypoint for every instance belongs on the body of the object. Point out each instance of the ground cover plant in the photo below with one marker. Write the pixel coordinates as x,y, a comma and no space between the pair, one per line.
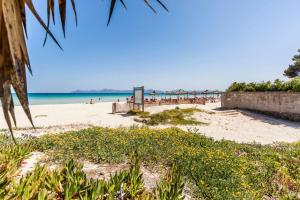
292,85
175,116
10,160
212,169
70,182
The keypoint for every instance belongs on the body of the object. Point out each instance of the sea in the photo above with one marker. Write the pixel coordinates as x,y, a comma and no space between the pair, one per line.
71,98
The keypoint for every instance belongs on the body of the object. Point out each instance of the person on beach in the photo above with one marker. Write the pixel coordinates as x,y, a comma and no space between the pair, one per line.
92,101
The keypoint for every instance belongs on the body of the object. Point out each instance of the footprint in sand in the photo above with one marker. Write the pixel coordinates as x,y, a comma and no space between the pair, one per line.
37,116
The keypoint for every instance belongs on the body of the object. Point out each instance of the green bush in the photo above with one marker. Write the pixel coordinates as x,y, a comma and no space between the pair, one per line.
211,169
215,169
295,84
236,87
138,113
175,116
292,85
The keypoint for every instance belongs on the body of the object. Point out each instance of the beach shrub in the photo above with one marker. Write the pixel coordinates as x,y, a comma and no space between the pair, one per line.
213,169
70,182
141,114
278,85
10,160
175,116
295,83
292,85
235,86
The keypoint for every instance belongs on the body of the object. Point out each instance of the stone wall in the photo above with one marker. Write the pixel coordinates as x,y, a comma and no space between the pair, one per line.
123,107
281,104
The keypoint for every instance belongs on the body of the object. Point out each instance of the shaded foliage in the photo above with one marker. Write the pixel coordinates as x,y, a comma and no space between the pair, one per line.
294,69
292,85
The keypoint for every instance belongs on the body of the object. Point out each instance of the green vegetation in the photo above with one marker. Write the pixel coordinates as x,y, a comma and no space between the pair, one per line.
212,169
294,69
10,160
70,182
139,113
175,116
292,85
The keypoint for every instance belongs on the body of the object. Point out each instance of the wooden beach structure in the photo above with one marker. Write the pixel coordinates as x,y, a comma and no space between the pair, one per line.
183,97
174,97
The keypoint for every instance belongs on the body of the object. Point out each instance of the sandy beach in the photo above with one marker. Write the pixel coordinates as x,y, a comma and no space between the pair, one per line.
236,125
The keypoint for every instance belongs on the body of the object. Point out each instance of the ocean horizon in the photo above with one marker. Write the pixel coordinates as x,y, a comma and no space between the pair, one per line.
71,98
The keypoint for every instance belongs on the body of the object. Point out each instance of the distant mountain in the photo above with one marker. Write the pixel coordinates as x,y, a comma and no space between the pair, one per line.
112,91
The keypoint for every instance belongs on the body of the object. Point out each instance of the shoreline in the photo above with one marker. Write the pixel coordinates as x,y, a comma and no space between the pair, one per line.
72,103
235,125
40,103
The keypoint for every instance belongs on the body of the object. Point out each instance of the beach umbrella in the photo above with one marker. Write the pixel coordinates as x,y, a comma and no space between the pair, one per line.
165,94
194,93
153,94
217,92
178,92
205,93
168,93
181,92
14,57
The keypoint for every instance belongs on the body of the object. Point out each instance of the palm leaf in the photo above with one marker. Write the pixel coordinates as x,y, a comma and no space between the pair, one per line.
13,51
111,10
62,4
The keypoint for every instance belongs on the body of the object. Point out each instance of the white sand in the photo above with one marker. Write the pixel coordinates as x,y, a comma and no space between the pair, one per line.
28,165
240,126
151,177
62,114
103,171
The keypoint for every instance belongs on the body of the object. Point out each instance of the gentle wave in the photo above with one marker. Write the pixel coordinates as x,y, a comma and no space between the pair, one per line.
69,98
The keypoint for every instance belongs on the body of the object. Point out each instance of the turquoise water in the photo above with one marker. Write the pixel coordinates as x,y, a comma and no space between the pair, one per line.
69,98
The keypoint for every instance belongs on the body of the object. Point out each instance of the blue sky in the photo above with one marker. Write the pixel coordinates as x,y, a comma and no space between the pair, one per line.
199,44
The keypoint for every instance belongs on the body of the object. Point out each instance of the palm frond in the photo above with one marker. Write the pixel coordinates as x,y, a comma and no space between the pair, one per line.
62,4
14,57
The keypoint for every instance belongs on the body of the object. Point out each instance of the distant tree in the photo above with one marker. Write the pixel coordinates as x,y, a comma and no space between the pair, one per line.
294,69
